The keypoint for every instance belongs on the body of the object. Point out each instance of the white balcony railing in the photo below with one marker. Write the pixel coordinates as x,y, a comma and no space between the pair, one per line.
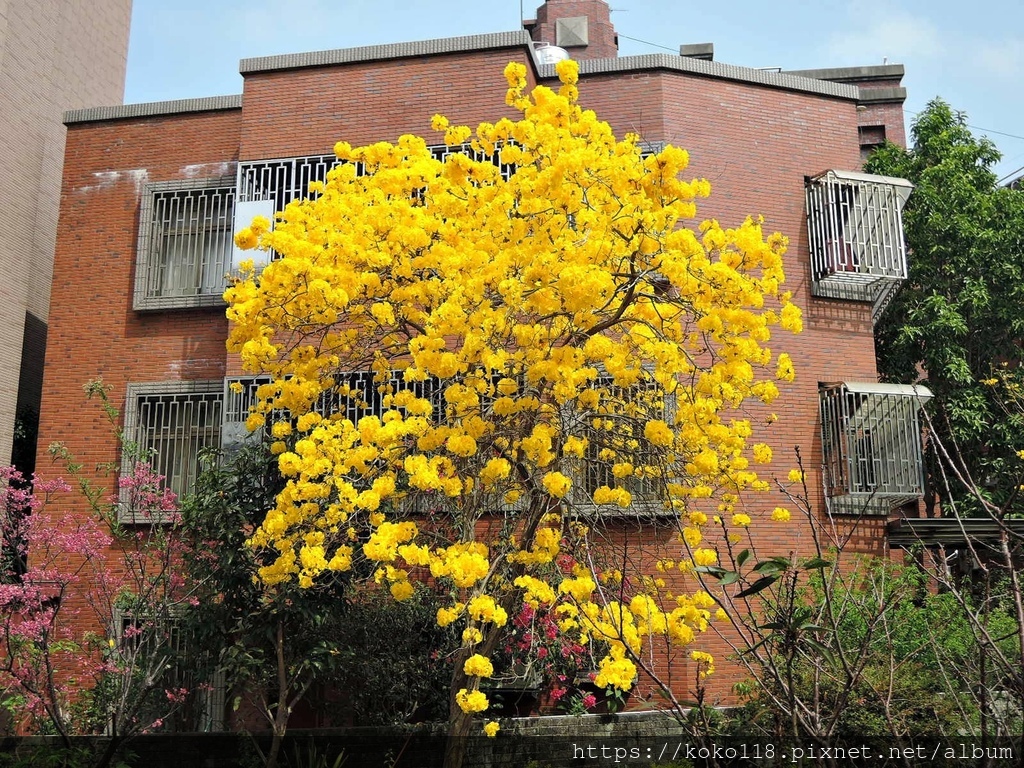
855,235
871,444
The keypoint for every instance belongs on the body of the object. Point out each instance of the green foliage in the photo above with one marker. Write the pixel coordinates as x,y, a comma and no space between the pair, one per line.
44,756
890,660
395,660
236,622
960,316
310,756
389,658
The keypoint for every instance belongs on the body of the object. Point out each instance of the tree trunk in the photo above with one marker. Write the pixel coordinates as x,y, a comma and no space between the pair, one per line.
459,726
281,713
459,723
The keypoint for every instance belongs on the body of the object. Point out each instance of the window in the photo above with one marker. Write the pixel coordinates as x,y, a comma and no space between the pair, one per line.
618,454
855,234
355,395
185,243
170,424
871,445
265,187
156,650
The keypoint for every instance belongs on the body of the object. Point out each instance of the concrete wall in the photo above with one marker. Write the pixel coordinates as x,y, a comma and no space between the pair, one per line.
54,55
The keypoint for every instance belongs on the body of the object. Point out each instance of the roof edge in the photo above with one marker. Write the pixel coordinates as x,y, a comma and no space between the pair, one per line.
152,108
767,77
883,95
852,74
436,47
521,38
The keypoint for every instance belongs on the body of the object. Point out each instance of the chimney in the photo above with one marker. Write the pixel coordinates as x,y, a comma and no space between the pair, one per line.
582,27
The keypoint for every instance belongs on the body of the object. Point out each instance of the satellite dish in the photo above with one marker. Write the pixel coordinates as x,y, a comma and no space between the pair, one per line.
549,54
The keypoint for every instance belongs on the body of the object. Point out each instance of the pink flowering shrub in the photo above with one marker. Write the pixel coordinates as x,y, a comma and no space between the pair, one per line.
87,606
535,650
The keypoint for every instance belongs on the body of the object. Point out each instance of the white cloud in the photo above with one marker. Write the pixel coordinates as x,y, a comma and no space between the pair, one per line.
1000,58
898,36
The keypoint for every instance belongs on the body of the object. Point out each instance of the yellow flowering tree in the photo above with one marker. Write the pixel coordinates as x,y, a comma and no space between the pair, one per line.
473,357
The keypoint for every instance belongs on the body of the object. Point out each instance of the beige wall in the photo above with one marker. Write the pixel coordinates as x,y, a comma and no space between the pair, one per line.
54,55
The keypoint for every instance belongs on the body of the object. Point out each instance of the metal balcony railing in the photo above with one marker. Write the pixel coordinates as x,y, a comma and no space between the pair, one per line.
855,234
871,444
355,395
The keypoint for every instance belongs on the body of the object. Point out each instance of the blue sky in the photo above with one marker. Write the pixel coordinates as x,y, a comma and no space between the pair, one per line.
970,54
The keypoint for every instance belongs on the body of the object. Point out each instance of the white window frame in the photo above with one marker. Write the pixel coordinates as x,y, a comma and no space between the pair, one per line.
195,219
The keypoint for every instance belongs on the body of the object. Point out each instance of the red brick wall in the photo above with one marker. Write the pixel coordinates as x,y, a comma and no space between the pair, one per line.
602,42
754,144
305,112
94,332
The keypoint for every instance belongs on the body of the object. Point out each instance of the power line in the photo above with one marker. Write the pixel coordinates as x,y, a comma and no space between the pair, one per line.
976,127
1010,175
647,42
991,130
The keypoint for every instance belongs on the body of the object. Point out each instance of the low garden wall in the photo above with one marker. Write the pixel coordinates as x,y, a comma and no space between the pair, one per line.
631,738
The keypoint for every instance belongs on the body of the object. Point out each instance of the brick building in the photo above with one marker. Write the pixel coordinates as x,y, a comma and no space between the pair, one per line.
152,193
54,56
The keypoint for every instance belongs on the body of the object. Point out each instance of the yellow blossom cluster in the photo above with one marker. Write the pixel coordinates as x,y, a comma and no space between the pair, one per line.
466,352
478,666
471,701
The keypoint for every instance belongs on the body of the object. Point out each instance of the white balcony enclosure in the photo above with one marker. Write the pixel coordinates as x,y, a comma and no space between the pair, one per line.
855,235
871,444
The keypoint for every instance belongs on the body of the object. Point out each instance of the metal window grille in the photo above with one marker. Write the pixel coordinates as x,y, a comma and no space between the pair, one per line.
265,187
855,234
161,646
170,425
185,243
240,395
284,180
356,394
442,152
871,444
617,426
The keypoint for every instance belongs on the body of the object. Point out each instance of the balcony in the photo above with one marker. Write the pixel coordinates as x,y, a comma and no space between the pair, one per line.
871,445
855,235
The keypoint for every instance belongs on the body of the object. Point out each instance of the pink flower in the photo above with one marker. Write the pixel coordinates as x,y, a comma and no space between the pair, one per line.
589,700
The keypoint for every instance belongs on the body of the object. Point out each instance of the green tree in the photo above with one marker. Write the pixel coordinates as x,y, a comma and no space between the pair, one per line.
277,644
960,317
272,644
